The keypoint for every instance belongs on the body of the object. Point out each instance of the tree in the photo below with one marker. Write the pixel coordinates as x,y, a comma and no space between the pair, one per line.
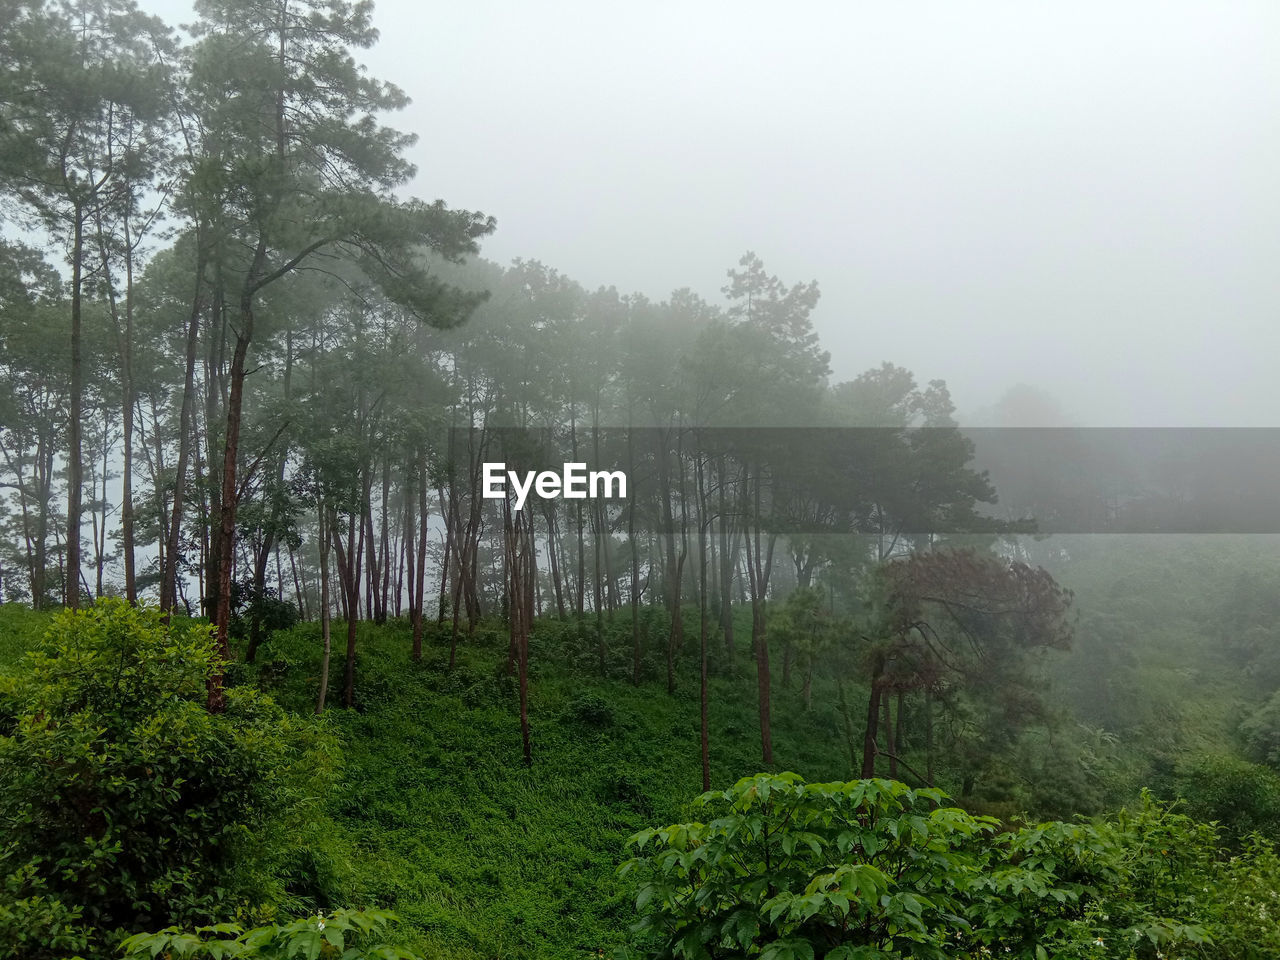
123,798
780,380
958,617
85,75
294,172
33,395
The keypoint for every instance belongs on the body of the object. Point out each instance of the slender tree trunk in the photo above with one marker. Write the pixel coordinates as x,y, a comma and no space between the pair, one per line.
928,734
580,599
519,541
75,464
676,634
553,537
215,403
410,536
349,561
261,556
417,578
849,735
758,568
704,730
727,561
897,734
230,500
450,520
888,737
385,544
322,541
872,731
124,334
299,583
635,569
596,592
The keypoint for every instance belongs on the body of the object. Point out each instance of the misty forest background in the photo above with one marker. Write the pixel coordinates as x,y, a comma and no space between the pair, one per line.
245,382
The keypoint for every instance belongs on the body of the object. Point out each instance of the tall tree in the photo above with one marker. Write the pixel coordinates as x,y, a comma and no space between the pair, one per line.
295,171
83,75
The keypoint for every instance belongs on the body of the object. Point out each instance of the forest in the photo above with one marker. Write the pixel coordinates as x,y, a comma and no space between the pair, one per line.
830,676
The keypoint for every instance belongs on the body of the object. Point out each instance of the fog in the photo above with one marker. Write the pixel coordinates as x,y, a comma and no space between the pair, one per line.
1081,197
414,572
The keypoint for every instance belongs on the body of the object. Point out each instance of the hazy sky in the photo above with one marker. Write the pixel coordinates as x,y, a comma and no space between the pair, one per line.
1083,197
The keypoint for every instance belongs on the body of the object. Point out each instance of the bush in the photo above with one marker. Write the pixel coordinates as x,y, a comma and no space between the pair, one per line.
344,933
127,805
872,870
1242,797
787,869
1262,733
589,710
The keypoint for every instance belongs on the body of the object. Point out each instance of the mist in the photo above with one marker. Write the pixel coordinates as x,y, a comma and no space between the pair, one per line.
557,480
1079,196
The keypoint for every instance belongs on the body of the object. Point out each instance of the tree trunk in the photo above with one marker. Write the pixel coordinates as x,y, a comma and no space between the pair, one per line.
928,734
349,558
758,569
553,537
322,541
728,560
888,737
519,552
872,731
704,730
75,464
261,556
230,500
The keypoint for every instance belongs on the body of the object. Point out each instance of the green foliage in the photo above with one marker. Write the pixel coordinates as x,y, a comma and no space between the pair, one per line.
871,869
32,922
1243,797
127,804
437,819
1262,732
787,869
20,630
342,933
590,711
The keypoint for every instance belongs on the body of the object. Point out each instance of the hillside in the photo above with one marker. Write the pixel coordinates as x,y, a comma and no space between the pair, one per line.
435,816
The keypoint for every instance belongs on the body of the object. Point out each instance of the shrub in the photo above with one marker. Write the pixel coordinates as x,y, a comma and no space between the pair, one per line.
787,869
589,710
1242,797
872,870
343,933
126,803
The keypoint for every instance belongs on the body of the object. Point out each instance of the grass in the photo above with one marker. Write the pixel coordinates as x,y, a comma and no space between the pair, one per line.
437,818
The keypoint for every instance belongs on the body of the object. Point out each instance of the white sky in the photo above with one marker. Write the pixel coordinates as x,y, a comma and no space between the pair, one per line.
1080,196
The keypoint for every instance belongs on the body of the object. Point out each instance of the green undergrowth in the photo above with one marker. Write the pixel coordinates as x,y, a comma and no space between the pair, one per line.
437,818
20,627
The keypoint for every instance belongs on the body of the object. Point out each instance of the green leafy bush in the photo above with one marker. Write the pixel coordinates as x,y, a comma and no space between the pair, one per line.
126,804
589,710
786,869
1242,797
872,870
342,933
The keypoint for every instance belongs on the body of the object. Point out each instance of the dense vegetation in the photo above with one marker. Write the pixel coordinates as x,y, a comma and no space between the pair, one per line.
255,396
421,803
